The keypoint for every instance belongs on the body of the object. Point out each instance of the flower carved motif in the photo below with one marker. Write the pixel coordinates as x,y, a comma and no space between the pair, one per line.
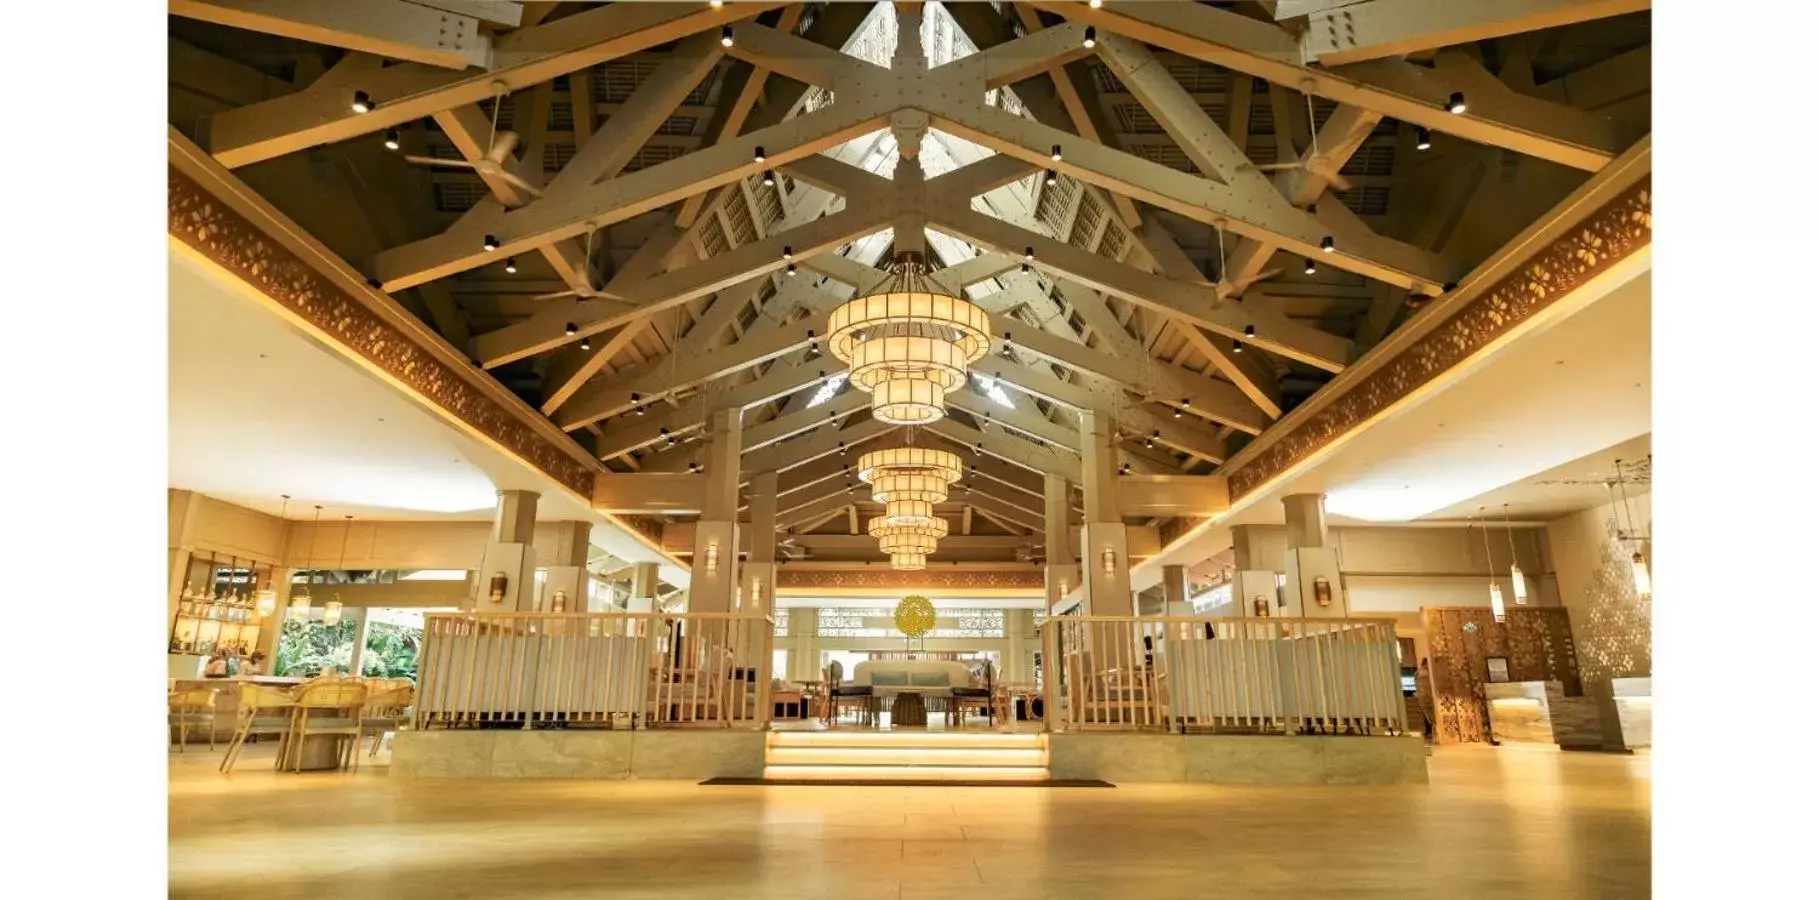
1611,234
215,230
931,578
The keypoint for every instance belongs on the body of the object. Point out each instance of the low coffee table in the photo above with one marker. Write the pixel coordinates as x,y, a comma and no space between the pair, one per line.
908,709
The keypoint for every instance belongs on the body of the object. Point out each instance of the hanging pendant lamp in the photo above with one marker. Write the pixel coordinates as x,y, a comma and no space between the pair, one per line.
331,611
265,601
1497,611
300,603
1639,574
908,342
1517,583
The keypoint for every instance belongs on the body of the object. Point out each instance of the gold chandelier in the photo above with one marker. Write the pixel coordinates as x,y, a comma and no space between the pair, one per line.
908,342
907,544
909,481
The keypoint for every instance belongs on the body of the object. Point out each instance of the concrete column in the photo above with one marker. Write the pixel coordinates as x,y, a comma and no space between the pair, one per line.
363,626
1174,592
567,572
1060,575
1312,586
1104,552
182,511
715,572
759,584
509,552
1020,658
805,645
644,588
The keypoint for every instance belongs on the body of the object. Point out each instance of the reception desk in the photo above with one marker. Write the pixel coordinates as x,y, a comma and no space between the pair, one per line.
1634,700
1539,712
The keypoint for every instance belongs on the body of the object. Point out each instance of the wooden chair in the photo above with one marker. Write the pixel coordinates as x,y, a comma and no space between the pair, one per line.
342,699
848,696
190,708
970,697
263,710
387,708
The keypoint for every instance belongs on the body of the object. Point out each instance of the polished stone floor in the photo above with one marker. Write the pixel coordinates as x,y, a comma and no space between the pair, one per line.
1493,823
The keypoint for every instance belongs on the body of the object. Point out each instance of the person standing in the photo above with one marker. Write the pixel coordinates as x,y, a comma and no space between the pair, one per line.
1424,698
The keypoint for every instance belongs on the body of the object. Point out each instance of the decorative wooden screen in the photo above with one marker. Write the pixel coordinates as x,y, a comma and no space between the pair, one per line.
1537,642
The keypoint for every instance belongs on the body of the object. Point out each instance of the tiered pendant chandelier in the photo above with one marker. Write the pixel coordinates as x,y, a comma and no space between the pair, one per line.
909,342
909,481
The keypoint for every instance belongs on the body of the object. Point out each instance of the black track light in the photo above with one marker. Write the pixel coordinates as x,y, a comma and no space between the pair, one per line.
770,178
979,449
758,153
490,243
790,270
639,410
362,103
511,265
391,139
1308,267
571,329
1054,153
726,35
1450,286
1051,178
1237,346
842,448
663,430
586,344
787,253
373,283
694,467
1423,139
1177,414
1124,469
1092,38
1029,254
1327,245
1250,331
1455,104
1026,268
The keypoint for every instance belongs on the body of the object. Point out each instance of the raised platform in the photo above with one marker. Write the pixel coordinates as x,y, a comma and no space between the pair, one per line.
905,757
1238,759
578,753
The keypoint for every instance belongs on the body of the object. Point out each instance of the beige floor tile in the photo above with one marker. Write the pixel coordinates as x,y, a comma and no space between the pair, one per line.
1492,823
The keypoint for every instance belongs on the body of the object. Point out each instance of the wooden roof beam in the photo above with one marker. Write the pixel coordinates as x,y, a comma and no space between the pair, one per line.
1381,29
1401,90
521,60
391,28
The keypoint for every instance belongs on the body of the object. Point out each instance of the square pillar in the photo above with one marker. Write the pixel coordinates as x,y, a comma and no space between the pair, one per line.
805,643
758,586
644,588
1174,592
509,552
1312,586
565,577
1105,563
713,579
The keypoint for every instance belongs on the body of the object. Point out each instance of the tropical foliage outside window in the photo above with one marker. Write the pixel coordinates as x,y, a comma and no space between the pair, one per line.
307,648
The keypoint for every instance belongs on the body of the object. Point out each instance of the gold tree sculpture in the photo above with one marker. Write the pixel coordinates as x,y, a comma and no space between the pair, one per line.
915,616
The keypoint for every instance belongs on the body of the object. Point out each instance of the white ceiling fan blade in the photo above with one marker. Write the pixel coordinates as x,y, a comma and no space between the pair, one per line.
502,147
1245,284
519,183
1279,167
433,161
557,295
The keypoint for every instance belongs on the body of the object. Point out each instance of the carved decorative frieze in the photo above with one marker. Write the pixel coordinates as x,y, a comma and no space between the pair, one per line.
1617,230
932,578
222,235
1536,643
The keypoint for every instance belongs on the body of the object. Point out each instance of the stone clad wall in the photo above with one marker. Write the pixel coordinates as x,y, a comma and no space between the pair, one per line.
1238,759
692,755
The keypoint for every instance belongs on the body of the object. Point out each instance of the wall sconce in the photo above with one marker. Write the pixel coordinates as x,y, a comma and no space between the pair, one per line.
757,592
713,557
1323,592
1109,561
1260,605
495,590
559,601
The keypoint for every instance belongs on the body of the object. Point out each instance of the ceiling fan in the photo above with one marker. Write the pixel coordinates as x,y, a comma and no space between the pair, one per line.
589,293
1314,163
499,148
1227,289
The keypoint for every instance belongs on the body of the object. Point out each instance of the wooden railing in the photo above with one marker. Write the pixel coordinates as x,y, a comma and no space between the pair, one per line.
640,669
1291,676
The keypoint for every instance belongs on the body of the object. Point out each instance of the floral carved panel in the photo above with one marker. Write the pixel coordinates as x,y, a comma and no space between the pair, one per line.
1610,235
215,230
927,579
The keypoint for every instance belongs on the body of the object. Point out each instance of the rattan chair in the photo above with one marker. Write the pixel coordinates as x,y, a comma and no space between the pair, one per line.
263,710
190,708
342,701
388,703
